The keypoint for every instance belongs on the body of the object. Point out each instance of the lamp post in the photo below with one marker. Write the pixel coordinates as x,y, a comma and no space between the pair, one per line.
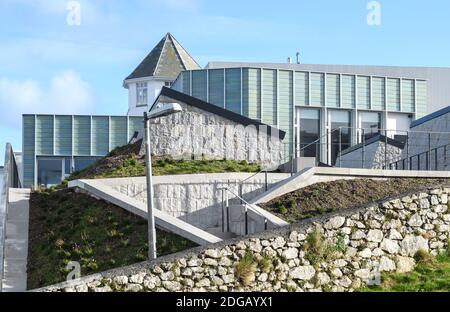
160,110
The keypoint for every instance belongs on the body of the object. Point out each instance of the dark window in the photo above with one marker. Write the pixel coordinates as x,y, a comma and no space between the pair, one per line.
340,137
371,124
83,162
309,132
49,172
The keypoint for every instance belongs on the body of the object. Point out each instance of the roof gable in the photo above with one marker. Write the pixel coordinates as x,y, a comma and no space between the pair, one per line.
167,59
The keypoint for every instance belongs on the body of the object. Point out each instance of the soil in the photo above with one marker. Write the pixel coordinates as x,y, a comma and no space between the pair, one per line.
326,197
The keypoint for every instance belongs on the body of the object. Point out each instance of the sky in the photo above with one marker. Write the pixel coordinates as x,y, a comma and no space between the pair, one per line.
70,57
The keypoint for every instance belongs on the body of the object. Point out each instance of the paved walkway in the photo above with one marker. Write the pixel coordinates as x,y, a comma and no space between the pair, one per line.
16,245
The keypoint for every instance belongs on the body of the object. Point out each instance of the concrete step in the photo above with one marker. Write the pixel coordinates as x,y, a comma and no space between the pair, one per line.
217,231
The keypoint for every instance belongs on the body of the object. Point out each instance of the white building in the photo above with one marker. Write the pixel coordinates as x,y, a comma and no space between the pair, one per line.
159,68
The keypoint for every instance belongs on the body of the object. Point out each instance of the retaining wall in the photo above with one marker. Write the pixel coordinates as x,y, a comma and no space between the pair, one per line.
363,242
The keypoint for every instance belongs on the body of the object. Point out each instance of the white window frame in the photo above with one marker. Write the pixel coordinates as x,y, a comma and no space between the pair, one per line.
141,98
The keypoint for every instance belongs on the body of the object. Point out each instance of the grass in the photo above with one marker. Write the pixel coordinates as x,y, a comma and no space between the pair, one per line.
245,269
67,226
432,274
321,198
317,248
126,162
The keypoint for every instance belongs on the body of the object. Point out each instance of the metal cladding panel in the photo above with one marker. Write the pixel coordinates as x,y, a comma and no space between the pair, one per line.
317,89
233,90
421,98
333,90
378,93
44,135
285,106
186,82
252,93
135,124
118,132
393,94
408,95
348,91
100,135
176,85
199,84
28,150
216,91
82,135
63,135
269,101
301,89
363,91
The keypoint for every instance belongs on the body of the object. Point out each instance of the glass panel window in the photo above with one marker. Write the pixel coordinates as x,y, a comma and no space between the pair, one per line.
309,132
49,172
371,124
83,162
141,94
340,138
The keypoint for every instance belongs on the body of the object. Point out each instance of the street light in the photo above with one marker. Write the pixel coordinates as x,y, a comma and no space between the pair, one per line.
160,110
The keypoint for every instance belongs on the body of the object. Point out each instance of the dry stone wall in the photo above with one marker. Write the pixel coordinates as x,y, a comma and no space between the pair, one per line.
337,252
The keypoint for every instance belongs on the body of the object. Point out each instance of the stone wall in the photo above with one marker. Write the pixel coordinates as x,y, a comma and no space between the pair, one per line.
198,133
374,157
195,199
359,244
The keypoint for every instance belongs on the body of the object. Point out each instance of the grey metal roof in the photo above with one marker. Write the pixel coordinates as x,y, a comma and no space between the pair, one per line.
167,59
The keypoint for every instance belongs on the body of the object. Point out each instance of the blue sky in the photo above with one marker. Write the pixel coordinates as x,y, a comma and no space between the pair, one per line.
48,66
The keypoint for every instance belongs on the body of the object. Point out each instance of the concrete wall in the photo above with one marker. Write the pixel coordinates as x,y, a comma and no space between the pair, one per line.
374,156
195,199
201,133
381,237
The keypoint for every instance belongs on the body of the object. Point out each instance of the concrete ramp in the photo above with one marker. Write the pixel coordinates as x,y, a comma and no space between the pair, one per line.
16,243
314,175
163,220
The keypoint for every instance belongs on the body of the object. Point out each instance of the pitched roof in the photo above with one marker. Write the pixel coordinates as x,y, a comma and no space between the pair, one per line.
192,101
167,59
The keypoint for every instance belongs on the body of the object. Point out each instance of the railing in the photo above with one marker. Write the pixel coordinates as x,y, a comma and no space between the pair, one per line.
226,211
10,179
408,162
333,147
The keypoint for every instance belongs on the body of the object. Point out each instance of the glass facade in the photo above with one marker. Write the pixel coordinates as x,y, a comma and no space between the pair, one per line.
340,137
56,145
308,121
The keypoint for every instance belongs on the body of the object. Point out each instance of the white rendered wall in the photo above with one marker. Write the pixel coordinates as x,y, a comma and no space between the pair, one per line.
153,89
398,122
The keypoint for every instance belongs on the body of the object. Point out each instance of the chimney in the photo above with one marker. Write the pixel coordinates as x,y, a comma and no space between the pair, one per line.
298,57
289,60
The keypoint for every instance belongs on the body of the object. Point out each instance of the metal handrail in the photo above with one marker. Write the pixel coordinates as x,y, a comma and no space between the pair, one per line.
428,159
247,206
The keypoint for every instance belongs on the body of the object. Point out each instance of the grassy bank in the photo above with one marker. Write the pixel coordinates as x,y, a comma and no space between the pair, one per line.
67,226
126,162
430,275
326,197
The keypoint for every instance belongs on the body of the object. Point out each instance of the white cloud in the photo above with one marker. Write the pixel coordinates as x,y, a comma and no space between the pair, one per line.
66,93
